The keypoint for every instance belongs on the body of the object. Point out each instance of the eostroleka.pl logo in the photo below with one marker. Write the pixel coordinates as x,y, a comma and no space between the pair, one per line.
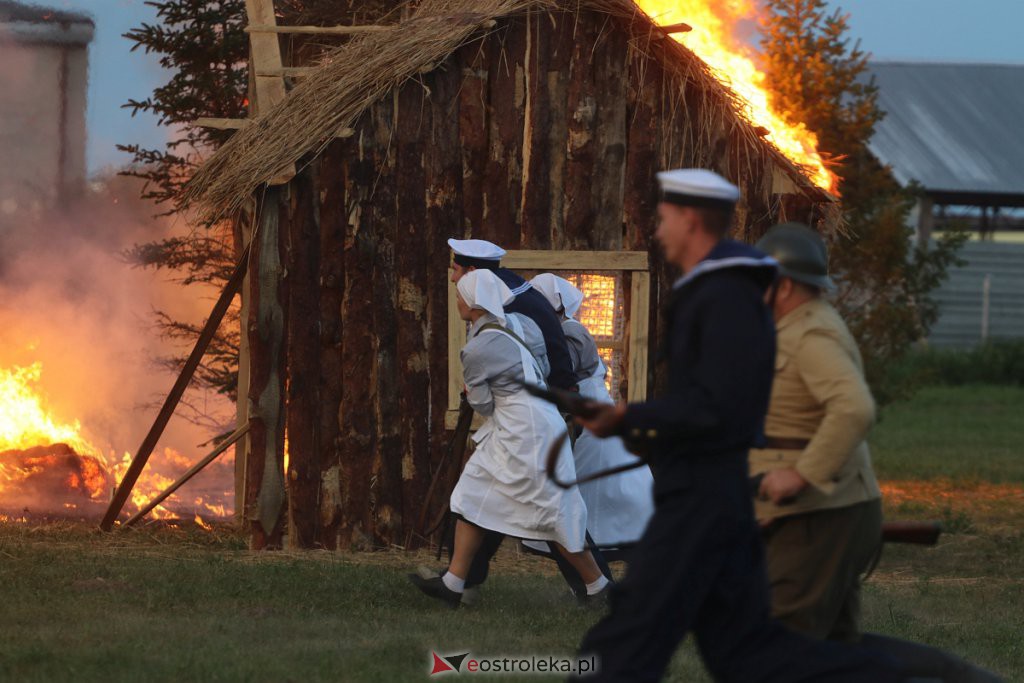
447,663
505,664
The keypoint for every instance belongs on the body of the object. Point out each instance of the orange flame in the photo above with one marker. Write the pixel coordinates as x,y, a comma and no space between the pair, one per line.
24,421
37,471
713,40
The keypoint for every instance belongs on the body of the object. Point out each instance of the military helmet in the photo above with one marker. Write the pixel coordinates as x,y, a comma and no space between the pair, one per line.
801,253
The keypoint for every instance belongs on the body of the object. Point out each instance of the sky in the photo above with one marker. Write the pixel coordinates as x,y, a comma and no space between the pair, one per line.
917,30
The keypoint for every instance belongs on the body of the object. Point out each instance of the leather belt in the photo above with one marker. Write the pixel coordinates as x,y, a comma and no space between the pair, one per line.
783,444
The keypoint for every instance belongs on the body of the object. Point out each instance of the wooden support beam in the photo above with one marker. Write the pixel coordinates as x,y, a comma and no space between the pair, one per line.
288,72
192,471
177,391
640,303
265,492
244,229
266,57
237,124
221,124
526,259
316,30
676,28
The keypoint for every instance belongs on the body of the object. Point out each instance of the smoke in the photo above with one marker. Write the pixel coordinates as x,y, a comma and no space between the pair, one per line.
70,300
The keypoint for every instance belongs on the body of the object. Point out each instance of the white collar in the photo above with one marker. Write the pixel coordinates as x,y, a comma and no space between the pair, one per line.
709,266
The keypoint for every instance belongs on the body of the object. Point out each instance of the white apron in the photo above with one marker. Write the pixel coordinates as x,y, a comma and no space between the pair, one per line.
619,506
504,487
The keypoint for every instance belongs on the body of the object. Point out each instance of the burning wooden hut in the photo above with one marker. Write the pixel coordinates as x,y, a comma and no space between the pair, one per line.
537,124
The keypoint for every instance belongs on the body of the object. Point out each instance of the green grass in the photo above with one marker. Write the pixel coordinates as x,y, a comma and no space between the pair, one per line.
167,604
969,433
171,605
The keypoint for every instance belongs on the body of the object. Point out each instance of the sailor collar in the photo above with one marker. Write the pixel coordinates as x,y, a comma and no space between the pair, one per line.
727,254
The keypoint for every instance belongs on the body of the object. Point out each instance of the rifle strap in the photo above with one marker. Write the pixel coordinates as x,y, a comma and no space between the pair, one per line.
515,337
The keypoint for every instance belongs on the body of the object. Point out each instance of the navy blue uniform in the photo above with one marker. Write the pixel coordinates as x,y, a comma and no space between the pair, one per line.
534,306
700,566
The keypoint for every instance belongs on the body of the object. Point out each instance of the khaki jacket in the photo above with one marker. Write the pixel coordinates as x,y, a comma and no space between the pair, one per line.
819,395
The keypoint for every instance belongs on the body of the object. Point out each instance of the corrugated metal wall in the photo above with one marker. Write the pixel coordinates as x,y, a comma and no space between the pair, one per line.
961,297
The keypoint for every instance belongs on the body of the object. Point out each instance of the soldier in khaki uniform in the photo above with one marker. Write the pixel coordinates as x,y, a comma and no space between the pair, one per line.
819,504
817,458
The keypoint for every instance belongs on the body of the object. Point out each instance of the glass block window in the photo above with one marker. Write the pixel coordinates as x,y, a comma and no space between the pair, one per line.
603,314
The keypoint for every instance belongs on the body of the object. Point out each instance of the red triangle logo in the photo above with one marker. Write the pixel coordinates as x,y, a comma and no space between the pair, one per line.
440,666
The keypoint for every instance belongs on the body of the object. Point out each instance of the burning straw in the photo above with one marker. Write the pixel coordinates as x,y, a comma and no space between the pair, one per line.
351,77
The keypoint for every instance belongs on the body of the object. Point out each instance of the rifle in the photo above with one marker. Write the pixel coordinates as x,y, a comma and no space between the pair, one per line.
917,533
577,406
448,469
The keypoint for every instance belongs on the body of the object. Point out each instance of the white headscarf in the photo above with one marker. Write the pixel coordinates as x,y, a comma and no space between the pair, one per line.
485,290
559,292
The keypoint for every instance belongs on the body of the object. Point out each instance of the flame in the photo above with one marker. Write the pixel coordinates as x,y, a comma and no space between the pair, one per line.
24,419
201,523
714,41
46,464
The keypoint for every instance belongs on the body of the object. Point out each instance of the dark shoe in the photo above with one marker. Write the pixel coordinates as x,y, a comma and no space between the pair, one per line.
435,588
599,600
470,596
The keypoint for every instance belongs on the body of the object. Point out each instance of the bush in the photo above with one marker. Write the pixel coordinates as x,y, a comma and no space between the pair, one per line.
1000,362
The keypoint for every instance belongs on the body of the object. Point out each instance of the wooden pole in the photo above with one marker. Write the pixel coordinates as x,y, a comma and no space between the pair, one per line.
265,491
317,30
265,57
245,228
192,471
174,397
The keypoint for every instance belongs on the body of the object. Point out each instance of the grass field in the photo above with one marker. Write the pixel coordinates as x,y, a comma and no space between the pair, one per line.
183,604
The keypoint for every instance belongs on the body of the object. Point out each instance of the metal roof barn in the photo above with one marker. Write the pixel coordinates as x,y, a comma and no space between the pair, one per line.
953,128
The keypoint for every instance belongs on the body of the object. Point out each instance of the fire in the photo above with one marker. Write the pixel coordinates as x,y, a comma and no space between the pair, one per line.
713,40
48,465
202,524
24,421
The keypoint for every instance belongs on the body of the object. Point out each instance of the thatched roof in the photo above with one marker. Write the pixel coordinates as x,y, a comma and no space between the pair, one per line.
353,76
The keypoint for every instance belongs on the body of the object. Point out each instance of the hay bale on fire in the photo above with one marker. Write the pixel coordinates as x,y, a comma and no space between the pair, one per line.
537,124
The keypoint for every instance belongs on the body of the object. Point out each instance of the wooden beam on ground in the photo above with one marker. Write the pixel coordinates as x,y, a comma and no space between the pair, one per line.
316,30
192,471
266,57
174,397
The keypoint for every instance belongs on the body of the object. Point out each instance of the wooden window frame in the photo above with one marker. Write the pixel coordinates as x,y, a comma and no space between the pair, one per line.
637,263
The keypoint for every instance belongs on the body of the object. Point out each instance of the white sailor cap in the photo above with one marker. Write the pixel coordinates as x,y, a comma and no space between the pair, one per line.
476,253
697,187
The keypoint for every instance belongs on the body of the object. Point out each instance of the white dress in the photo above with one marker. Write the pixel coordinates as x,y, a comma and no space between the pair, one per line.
504,487
619,506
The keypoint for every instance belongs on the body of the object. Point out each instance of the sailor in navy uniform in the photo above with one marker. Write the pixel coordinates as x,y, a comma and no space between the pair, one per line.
473,254
468,255
700,565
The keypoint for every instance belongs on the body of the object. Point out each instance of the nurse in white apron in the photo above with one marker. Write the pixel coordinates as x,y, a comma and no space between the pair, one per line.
618,507
504,487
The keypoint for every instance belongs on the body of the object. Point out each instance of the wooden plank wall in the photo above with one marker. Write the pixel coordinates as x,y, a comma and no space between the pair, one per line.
544,134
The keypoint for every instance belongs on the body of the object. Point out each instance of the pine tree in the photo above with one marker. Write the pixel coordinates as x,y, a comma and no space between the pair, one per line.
820,79
203,47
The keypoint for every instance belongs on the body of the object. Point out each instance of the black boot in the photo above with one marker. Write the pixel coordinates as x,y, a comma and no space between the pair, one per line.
435,588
